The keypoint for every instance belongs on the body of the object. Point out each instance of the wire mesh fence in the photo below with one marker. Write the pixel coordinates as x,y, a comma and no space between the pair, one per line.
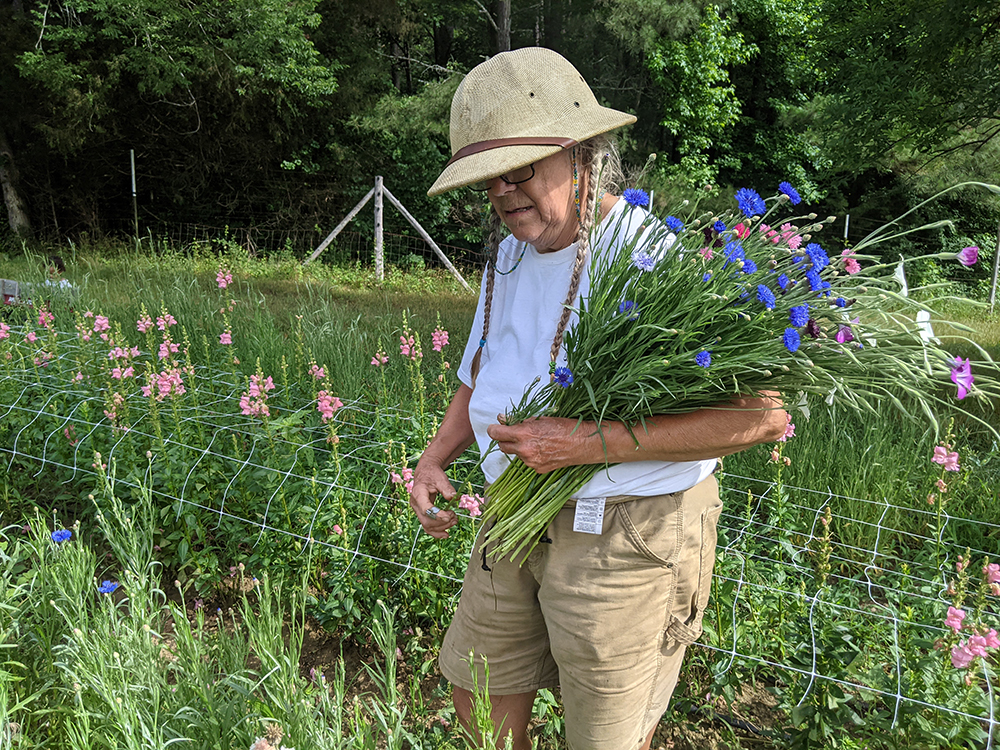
819,615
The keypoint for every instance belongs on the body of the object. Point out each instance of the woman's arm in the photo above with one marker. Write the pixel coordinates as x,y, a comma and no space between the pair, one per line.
550,443
429,480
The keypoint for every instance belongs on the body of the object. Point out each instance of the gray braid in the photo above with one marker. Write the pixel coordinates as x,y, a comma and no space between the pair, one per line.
583,243
496,233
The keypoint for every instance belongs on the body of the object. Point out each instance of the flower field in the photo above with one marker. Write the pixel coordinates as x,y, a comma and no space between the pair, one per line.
202,460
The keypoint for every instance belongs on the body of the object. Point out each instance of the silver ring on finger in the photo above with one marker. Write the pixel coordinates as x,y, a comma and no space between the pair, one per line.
433,511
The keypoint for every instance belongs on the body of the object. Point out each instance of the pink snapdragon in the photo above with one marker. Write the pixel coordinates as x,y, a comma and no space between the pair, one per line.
143,324
961,656
954,618
253,403
439,339
78,378
471,503
118,373
948,459
101,323
163,322
991,639
317,372
327,404
114,403
168,347
789,429
45,318
408,348
223,278
992,573
405,479
31,337
43,359
169,382
4,330
379,359
226,337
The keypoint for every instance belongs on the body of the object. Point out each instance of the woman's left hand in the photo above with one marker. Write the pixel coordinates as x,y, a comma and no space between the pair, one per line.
549,443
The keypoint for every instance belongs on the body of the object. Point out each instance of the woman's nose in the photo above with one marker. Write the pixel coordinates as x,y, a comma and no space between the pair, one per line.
501,187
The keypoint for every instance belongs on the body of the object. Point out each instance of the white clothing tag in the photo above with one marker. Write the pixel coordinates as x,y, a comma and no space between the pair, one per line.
589,516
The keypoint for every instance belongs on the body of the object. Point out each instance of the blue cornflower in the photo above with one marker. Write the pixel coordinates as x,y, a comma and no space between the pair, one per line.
628,306
62,535
791,339
840,302
817,256
799,315
793,196
703,359
674,223
643,260
734,252
766,297
107,587
636,197
749,266
719,227
815,282
783,282
707,276
563,377
750,203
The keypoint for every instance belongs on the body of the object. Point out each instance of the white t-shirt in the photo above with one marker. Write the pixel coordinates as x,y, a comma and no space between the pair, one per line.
527,303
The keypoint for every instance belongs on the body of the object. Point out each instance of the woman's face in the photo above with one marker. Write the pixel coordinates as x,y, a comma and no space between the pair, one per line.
541,211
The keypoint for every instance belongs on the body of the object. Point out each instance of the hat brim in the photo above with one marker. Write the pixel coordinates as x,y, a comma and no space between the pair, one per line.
486,165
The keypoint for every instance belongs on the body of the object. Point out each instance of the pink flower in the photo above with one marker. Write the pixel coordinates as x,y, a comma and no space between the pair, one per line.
946,459
327,404
471,503
101,323
789,429
742,230
337,530
941,485
968,256
961,656
144,324
45,318
408,348
852,266
379,359
844,335
223,278
31,338
4,330
977,646
706,253
317,372
992,573
439,338
954,619
167,348
78,378
961,375
163,322
226,337
992,641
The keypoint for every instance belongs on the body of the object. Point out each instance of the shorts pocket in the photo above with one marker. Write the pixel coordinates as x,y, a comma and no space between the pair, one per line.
694,579
654,527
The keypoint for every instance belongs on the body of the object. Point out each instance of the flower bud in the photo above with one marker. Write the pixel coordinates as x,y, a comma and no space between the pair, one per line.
811,216
830,219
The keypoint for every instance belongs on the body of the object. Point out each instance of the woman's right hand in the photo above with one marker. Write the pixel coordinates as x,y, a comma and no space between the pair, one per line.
429,483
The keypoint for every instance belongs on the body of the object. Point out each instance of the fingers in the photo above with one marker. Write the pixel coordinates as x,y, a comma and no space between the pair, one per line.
428,485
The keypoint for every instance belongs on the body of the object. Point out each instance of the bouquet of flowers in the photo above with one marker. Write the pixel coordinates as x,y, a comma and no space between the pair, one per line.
686,316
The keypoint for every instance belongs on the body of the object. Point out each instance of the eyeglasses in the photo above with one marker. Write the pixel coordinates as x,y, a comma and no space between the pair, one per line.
511,178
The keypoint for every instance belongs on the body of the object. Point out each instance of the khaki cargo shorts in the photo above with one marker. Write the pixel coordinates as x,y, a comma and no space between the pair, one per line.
606,617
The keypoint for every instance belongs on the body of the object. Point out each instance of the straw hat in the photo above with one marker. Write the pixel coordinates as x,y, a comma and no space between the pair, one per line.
515,109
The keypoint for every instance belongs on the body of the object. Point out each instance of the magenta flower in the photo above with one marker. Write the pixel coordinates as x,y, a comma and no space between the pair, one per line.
4,330
226,337
789,429
968,256
223,278
317,372
144,324
471,503
45,318
379,359
337,530
992,641
844,335
961,375
327,404
439,338
954,618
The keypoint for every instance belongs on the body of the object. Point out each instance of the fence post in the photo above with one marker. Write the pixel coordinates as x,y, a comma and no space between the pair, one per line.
379,261
996,272
135,205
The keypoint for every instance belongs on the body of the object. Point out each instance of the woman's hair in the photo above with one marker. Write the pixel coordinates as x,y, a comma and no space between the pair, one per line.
598,158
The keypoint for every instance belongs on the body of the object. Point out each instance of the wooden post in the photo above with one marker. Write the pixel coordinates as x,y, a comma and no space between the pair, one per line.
427,238
996,272
379,260
340,227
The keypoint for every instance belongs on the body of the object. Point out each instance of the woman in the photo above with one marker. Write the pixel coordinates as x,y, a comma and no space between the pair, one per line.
606,615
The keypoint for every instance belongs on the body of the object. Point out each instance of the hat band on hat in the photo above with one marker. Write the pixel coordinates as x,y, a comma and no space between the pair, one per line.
475,148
